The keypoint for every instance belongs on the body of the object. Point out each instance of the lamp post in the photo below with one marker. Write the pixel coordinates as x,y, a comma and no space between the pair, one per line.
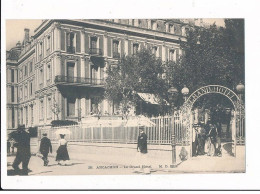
240,90
185,91
172,95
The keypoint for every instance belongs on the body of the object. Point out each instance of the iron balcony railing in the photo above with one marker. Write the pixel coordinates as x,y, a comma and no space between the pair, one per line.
81,80
95,51
71,49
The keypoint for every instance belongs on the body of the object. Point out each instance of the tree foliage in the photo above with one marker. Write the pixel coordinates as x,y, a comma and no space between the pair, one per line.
137,73
212,56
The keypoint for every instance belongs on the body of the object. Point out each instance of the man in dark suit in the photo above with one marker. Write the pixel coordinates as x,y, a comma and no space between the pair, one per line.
23,150
45,148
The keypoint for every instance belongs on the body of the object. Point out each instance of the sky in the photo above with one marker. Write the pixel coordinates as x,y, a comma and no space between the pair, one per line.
15,29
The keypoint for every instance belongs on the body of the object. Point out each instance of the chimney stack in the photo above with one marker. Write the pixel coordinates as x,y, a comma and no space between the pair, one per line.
26,35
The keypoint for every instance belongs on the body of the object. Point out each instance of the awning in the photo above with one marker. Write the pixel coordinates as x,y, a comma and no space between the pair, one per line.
150,98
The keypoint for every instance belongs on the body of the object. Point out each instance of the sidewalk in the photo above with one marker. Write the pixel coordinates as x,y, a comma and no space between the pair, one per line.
87,159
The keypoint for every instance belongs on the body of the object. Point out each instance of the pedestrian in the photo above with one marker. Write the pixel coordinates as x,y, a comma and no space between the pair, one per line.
201,139
194,140
211,140
45,148
142,149
62,152
23,153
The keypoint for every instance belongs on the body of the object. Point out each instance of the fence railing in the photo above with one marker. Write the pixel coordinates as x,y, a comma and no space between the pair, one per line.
160,133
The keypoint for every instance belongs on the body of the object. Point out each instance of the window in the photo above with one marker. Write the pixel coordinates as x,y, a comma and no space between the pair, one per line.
171,28
154,50
48,72
171,56
21,74
30,66
135,48
94,106
12,93
116,49
21,115
31,88
40,51
154,25
25,70
71,106
49,107
21,93
13,118
48,43
71,42
12,75
25,91
93,42
41,78
41,109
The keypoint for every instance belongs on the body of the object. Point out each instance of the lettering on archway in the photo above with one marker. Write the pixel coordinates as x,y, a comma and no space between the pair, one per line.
217,89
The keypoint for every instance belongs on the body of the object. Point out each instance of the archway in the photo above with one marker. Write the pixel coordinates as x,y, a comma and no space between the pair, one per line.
237,122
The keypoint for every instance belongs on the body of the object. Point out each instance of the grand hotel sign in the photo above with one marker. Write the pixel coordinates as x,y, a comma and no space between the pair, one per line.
212,89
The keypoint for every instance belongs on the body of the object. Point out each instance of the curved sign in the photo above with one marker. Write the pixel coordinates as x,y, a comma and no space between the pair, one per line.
213,89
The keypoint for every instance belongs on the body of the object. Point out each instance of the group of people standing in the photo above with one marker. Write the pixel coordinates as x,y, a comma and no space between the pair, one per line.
22,143
206,139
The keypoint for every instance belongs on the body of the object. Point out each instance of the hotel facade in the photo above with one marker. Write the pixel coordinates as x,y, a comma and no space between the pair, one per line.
59,72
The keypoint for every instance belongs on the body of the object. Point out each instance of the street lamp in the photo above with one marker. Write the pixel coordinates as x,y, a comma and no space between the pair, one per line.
240,89
185,91
172,95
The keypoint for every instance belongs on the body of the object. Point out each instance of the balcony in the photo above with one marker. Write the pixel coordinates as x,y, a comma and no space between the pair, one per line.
95,51
71,49
116,55
81,81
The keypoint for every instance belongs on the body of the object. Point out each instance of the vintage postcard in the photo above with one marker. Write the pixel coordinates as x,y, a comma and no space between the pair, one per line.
125,96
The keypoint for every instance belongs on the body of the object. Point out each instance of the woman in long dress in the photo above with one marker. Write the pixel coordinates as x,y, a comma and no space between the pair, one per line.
62,152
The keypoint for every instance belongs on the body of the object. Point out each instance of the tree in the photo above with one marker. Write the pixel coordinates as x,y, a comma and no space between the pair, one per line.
137,73
211,57
56,109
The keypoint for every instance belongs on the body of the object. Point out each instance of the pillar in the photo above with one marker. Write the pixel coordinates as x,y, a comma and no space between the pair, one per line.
126,47
167,27
105,46
82,41
83,106
82,68
163,53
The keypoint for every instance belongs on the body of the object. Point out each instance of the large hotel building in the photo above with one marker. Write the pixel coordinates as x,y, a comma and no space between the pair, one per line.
58,73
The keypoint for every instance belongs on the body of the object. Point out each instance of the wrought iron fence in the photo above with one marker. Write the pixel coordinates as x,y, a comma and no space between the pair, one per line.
83,80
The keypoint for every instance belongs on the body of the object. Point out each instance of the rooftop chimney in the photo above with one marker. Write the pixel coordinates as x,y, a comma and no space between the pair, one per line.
26,35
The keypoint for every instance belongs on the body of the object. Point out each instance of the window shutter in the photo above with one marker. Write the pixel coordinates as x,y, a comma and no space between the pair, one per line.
101,44
130,47
109,46
177,55
86,43
160,51
122,47
62,40
166,53
87,69
78,42
79,67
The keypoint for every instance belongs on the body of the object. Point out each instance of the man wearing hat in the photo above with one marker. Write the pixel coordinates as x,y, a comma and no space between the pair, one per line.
45,148
23,150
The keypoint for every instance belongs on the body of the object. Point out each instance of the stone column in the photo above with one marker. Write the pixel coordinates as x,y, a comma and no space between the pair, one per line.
83,106
82,68
57,36
163,53
82,41
105,45
126,46
57,63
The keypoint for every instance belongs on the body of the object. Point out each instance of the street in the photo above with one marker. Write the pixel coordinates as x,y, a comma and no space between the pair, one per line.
116,159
